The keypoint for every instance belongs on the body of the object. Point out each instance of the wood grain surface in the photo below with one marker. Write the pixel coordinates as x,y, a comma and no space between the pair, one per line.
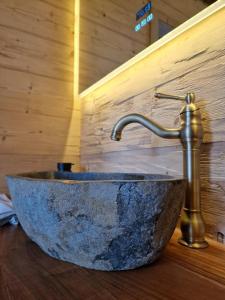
36,86
27,273
194,61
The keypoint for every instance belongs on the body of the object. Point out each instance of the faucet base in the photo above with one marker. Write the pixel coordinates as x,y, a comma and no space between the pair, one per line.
192,229
195,245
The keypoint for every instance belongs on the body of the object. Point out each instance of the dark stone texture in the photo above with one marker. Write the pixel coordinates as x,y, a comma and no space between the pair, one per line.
104,221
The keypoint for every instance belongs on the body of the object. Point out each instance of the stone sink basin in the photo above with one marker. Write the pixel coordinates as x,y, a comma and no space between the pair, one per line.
103,221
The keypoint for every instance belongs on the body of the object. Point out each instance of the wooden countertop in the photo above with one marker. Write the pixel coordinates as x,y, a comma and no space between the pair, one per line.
28,273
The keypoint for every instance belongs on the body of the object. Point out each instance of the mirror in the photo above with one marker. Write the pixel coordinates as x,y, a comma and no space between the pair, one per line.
113,31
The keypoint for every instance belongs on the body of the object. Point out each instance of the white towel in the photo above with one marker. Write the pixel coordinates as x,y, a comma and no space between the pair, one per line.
7,213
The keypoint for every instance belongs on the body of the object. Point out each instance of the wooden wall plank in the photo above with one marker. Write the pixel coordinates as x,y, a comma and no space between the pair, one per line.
39,18
18,51
39,119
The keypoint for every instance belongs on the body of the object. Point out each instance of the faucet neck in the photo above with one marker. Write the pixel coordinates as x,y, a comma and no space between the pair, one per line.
192,224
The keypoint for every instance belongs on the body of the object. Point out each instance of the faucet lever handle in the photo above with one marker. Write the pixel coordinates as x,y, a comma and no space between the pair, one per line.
189,98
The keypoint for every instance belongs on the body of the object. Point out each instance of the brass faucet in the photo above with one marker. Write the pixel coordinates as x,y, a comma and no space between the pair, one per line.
190,133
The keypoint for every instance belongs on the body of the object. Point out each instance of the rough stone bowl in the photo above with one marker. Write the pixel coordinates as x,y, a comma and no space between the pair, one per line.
103,221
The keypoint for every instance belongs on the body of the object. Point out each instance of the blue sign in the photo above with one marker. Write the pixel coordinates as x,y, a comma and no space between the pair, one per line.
143,11
144,22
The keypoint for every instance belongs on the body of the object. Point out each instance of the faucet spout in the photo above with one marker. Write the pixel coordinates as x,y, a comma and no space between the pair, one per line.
149,124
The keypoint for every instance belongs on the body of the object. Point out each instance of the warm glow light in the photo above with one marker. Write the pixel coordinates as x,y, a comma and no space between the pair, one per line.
73,132
218,5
